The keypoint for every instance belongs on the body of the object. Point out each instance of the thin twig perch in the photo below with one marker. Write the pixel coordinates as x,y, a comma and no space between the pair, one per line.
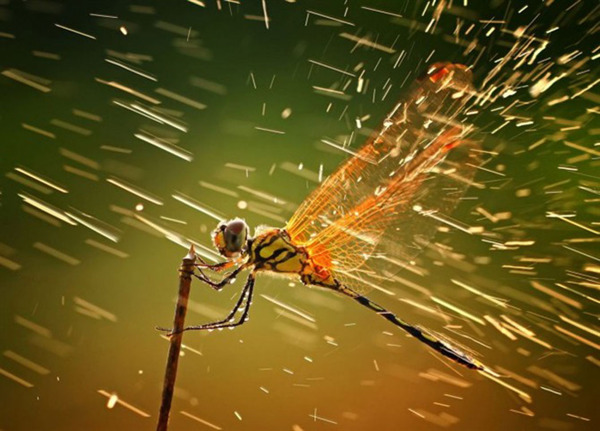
185,280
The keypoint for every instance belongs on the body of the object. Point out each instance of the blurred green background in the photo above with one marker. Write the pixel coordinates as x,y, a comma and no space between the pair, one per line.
88,323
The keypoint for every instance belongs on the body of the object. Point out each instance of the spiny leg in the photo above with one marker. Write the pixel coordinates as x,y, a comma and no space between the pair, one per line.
217,267
247,292
217,286
226,280
433,342
226,322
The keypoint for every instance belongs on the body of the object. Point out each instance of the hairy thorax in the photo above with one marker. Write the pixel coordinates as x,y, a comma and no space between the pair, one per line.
273,250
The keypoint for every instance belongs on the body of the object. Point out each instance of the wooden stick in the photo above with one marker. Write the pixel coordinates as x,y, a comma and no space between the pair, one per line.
185,281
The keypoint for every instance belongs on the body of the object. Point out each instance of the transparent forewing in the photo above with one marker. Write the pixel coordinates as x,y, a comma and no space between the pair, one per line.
381,207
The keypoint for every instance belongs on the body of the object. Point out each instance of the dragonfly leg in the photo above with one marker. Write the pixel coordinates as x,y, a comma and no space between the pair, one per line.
224,281
227,322
435,343
217,267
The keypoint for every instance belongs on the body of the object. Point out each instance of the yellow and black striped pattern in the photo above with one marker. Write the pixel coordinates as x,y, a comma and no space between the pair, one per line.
273,250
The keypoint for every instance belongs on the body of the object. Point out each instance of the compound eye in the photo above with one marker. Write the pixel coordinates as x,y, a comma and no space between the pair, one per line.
235,235
230,237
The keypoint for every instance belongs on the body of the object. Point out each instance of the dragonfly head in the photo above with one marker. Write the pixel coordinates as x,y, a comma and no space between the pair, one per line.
230,237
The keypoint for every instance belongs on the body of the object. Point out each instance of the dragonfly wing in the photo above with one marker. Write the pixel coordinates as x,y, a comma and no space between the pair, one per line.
383,204
337,194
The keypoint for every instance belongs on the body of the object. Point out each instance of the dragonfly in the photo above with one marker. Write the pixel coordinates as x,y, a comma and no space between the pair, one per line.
374,214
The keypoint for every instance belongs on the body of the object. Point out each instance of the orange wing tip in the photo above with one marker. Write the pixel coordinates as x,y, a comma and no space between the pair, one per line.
439,71
450,146
449,139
